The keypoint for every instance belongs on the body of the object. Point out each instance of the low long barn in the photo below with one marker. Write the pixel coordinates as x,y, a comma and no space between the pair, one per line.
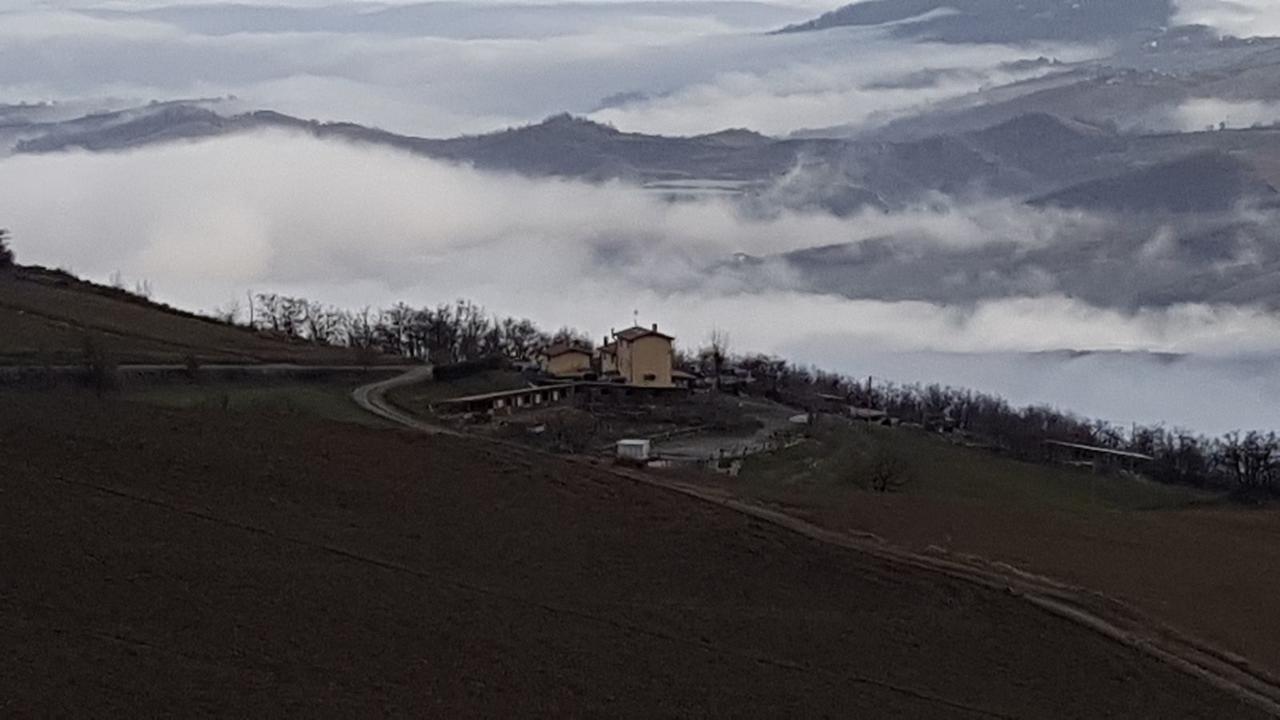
508,401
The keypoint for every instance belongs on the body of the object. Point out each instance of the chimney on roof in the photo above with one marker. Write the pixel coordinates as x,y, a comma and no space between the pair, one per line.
655,327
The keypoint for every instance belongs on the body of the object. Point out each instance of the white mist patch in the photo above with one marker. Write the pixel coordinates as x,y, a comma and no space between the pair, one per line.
1241,18
284,207
677,68
354,226
1205,394
1213,113
847,82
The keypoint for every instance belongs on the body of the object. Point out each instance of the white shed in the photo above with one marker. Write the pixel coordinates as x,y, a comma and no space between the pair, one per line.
634,450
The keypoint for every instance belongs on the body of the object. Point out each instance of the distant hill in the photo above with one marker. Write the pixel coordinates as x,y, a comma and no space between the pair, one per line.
1149,260
1138,89
1204,183
1033,155
1045,144
969,21
113,131
46,316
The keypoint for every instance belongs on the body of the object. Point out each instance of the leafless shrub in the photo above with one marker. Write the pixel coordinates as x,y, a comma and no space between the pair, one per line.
887,471
6,253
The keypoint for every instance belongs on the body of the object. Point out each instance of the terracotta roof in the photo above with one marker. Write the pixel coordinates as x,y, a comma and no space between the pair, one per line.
637,332
609,349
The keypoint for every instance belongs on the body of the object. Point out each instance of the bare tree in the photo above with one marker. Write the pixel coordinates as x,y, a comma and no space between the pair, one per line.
323,325
718,350
443,333
887,471
570,336
361,329
6,252
397,322
229,313
1251,461
520,338
269,303
473,325
293,314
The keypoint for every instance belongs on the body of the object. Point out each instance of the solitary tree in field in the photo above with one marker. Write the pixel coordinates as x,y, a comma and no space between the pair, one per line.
718,349
6,253
888,470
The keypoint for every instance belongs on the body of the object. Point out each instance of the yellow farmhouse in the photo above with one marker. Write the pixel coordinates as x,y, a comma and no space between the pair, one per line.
639,356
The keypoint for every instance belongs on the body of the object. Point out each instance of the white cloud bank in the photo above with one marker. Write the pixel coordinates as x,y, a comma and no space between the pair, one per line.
686,69
1241,18
353,225
1210,113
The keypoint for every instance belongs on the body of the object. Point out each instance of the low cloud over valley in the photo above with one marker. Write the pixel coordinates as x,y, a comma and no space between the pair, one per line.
205,222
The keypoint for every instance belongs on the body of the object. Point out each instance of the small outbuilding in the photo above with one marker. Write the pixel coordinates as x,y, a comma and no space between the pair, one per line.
634,451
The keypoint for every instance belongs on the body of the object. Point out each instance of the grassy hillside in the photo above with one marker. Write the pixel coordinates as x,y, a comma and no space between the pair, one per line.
328,398
46,317
1181,556
839,459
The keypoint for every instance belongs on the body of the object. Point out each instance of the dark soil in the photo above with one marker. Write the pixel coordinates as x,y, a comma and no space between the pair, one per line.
199,562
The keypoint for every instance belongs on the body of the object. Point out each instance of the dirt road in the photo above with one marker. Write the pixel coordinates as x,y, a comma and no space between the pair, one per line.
373,398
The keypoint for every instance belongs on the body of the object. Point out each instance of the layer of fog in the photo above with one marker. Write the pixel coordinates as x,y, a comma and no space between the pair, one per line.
982,250
1199,114
803,8
1206,394
477,20
1241,18
352,226
643,68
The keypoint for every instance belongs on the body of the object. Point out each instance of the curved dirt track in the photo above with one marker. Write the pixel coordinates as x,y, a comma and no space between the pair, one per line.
1090,609
372,398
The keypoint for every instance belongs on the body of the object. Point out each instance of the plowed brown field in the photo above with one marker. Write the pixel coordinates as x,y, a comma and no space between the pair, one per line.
199,562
